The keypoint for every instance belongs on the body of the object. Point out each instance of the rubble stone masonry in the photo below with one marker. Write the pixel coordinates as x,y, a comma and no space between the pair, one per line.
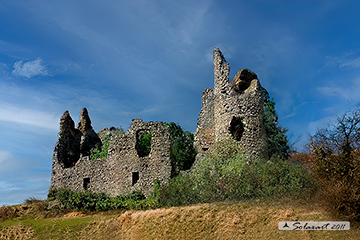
122,171
232,109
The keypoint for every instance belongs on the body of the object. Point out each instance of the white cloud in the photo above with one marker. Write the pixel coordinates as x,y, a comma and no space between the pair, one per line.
5,186
4,155
30,69
30,117
350,94
351,63
187,25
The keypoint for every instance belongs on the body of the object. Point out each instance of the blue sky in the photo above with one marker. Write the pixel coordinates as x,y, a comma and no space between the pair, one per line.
152,59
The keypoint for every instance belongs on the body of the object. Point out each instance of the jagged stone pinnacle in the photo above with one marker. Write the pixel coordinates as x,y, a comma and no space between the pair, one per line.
66,122
221,69
85,122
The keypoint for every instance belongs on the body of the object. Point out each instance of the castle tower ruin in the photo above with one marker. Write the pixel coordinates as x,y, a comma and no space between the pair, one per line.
232,109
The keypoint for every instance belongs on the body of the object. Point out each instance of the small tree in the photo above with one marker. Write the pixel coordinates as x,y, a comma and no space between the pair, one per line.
334,144
182,146
278,145
337,165
342,134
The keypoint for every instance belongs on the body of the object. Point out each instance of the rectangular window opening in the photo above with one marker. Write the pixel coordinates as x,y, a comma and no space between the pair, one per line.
86,183
135,178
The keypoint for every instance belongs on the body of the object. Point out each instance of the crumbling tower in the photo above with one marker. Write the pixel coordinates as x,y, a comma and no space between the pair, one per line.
232,109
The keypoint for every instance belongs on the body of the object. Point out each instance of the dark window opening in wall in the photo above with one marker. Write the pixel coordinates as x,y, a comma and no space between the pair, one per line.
86,183
143,143
236,128
135,178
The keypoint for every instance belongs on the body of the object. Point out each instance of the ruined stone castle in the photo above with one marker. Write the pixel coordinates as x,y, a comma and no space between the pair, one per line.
233,109
230,109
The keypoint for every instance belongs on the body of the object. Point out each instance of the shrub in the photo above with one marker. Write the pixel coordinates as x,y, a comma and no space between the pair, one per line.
224,174
336,167
88,201
180,191
338,178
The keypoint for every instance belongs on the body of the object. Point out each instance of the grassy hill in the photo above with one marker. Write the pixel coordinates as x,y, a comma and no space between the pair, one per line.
257,219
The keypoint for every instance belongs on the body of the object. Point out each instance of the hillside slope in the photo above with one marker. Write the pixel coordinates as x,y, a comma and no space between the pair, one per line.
242,220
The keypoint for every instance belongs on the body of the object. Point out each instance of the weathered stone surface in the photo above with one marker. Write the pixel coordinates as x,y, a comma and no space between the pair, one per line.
66,122
84,122
221,71
89,138
242,79
205,132
232,110
67,148
103,133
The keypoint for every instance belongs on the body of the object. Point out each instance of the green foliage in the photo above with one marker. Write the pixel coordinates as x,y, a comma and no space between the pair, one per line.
143,144
180,191
278,145
88,201
183,150
224,174
119,130
100,152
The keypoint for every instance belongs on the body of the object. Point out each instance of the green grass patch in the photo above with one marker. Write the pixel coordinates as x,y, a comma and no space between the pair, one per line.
52,228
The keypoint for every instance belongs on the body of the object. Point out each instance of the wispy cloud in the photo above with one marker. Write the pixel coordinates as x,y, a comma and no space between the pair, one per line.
6,186
345,61
351,63
351,93
4,155
313,126
188,25
30,69
30,117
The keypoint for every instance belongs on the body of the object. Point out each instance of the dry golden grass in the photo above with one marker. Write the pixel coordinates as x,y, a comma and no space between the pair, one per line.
16,232
241,220
245,220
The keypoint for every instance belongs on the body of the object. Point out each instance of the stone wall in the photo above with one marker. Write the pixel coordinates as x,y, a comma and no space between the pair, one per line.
123,170
232,109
